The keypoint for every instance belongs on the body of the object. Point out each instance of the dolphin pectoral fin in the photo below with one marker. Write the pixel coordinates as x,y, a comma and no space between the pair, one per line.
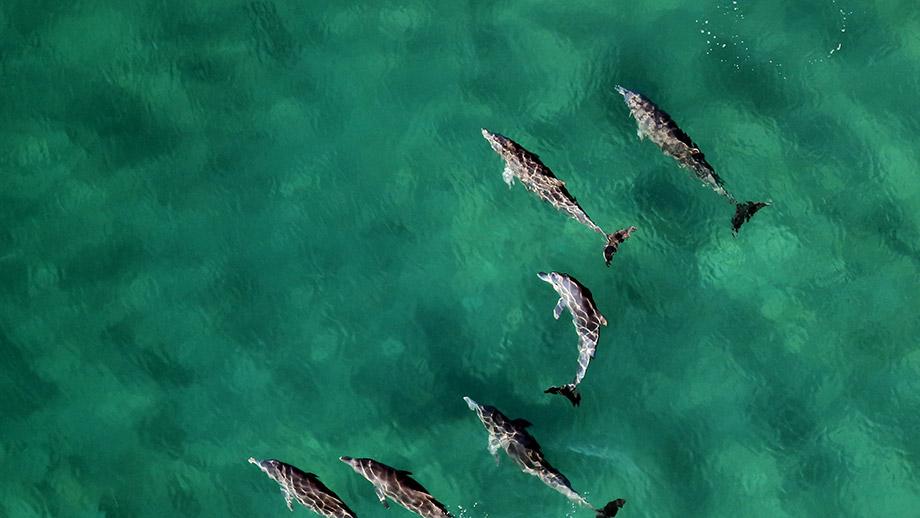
494,446
508,176
557,311
382,497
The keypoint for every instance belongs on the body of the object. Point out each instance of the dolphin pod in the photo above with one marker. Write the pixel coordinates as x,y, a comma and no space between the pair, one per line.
504,433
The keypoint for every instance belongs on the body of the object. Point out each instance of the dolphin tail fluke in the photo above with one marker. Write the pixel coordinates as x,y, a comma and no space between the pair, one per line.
570,391
613,242
744,212
611,509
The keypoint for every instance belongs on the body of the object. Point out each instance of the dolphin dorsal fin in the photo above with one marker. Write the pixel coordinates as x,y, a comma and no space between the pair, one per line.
523,423
403,472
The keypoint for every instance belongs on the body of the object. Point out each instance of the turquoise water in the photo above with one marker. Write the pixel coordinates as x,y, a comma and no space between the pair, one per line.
274,230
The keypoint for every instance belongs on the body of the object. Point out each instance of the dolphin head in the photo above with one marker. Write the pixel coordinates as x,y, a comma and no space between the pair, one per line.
356,464
485,413
627,94
550,278
500,143
270,467
265,465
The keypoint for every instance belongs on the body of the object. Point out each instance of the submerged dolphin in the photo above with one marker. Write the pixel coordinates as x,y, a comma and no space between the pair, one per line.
540,180
512,436
661,129
305,488
587,320
398,485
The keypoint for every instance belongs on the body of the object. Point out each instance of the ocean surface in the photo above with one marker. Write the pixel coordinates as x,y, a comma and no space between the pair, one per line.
273,229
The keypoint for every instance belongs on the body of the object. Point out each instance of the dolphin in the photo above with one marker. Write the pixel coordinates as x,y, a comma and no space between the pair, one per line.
661,129
512,436
400,486
305,488
587,320
539,179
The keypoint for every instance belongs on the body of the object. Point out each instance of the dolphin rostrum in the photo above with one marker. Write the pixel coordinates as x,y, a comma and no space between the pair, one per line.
661,129
539,179
305,488
400,486
512,436
578,299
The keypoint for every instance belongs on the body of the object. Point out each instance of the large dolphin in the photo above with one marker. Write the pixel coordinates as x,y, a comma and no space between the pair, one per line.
305,488
587,320
512,436
398,485
661,129
539,179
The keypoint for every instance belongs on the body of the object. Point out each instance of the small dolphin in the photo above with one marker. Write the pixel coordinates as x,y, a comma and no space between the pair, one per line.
587,320
539,179
512,436
400,486
661,129
305,488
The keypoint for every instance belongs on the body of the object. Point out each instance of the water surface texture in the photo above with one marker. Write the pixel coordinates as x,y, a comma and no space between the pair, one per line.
273,229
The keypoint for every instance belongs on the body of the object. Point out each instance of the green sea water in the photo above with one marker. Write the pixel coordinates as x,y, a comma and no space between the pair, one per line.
273,229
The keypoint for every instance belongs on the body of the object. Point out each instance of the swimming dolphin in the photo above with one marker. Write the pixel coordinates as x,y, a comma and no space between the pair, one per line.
512,436
587,320
539,179
398,485
661,129
305,488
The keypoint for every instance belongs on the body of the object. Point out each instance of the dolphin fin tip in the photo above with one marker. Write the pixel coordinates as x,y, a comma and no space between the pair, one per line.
611,509
745,211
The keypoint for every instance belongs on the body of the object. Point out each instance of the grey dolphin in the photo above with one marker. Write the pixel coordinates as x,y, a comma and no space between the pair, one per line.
398,485
512,436
305,488
661,129
587,320
539,179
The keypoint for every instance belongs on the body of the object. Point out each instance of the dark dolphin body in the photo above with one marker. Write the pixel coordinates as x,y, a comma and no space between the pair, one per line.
305,488
512,436
587,320
661,129
539,179
400,486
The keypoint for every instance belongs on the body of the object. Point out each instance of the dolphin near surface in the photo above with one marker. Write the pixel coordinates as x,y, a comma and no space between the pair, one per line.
511,435
587,320
540,180
305,488
661,129
399,486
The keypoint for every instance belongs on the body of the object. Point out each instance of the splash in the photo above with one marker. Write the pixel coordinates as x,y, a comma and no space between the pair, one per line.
724,39
843,27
